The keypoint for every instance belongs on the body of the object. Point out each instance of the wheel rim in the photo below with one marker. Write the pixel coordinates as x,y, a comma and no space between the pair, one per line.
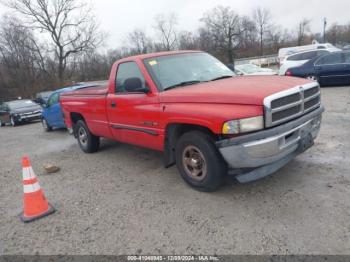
194,163
44,124
83,138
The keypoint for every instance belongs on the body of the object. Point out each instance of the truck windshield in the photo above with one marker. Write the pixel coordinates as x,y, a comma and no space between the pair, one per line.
185,69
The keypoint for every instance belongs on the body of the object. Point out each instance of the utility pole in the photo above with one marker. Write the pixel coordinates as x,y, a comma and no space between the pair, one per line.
324,29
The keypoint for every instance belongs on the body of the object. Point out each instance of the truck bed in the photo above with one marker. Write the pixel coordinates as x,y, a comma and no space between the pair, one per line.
101,89
90,102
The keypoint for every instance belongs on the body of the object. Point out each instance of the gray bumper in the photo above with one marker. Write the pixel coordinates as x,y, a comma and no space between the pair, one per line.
269,150
29,117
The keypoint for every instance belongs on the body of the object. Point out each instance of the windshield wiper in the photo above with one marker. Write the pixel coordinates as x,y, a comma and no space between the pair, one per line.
186,83
219,78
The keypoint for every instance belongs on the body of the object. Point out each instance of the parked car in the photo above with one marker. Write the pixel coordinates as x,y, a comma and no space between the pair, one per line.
301,58
306,70
42,97
331,69
205,120
287,51
250,69
19,111
52,114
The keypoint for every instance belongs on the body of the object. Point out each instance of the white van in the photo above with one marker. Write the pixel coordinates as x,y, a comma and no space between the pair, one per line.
284,52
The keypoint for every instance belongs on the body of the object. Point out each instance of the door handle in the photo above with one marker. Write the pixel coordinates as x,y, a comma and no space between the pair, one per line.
113,104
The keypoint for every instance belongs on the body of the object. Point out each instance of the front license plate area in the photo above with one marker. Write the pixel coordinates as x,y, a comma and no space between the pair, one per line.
306,142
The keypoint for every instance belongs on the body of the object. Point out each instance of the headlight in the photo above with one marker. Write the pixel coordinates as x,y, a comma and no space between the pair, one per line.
243,125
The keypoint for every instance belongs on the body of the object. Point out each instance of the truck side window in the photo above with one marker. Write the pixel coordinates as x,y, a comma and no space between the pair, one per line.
129,78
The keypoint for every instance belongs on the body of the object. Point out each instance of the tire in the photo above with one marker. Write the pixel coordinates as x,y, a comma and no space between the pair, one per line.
45,125
199,162
13,121
88,142
2,124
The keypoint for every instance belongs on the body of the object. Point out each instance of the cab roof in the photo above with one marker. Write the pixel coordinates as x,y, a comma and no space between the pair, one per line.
80,86
152,55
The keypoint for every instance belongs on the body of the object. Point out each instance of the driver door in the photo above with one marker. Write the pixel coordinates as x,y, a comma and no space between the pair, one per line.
53,111
133,110
331,69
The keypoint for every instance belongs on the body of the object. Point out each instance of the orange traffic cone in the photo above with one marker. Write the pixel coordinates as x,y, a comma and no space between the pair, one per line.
35,205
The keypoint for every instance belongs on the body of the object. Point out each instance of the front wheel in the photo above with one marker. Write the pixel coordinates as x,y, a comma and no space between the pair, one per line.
45,125
13,121
88,142
199,162
1,123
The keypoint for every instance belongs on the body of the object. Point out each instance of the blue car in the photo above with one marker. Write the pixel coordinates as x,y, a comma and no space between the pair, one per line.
52,116
328,70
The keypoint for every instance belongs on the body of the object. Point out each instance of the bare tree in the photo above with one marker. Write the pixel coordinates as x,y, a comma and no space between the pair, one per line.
339,34
166,28
224,27
262,18
22,64
69,23
276,37
139,41
302,30
188,41
248,36
333,33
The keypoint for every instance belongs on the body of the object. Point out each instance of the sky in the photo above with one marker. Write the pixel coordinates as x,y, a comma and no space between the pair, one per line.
118,17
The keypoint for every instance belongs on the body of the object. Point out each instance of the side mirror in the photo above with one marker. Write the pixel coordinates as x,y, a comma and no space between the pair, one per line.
145,90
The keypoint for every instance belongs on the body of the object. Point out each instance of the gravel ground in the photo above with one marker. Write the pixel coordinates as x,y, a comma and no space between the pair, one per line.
122,201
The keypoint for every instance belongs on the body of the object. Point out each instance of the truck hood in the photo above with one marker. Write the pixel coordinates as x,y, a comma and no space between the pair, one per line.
247,90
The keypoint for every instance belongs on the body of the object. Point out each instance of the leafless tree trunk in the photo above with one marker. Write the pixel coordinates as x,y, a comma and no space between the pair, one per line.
69,23
188,41
302,30
262,18
166,28
139,41
224,27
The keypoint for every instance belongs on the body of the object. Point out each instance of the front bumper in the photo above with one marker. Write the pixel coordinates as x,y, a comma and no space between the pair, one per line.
28,117
262,153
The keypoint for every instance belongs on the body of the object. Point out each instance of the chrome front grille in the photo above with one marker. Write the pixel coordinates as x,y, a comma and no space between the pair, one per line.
292,103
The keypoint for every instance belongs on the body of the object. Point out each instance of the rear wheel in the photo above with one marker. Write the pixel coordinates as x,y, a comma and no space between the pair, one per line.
199,162
88,142
45,125
1,123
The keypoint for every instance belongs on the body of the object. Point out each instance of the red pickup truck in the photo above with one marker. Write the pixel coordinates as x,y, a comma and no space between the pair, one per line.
206,120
